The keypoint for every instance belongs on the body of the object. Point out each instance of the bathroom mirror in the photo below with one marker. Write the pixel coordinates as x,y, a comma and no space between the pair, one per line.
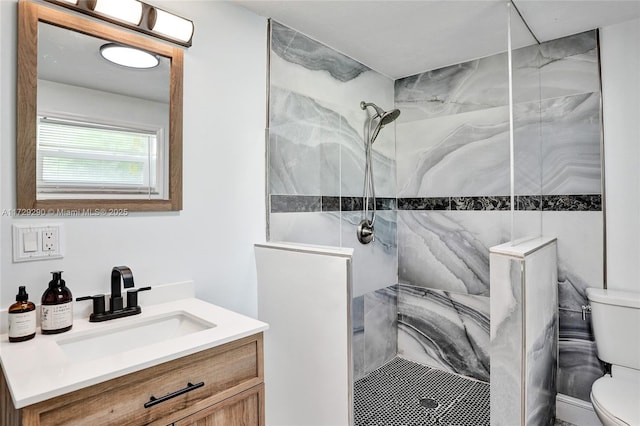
93,136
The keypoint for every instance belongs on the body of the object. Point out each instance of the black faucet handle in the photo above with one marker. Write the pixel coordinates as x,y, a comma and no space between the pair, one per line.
98,303
132,296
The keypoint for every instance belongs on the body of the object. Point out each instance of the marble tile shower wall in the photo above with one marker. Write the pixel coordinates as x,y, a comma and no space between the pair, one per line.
316,175
453,185
443,191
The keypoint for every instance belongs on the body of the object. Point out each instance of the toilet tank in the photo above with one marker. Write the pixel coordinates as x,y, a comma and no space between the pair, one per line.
615,318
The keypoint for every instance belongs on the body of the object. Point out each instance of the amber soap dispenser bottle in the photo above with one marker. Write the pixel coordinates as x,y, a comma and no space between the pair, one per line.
22,317
56,315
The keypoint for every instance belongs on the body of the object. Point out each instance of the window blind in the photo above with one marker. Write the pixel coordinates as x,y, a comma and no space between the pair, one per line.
78,156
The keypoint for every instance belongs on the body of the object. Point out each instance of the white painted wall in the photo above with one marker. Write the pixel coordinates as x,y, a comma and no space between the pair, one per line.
211,240
5,58
620,54
89,105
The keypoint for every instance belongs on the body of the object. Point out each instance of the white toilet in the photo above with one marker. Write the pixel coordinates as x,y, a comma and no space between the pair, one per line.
615,317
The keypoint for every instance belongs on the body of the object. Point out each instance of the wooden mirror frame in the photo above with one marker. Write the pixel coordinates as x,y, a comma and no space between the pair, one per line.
29,15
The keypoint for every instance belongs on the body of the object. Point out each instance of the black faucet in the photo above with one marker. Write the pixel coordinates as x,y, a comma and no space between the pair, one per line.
115,301
116,309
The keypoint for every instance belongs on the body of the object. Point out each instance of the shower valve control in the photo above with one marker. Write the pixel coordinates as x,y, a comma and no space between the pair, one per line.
586,309
365,232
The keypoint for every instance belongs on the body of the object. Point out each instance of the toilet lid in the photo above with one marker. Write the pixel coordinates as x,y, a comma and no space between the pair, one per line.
619,397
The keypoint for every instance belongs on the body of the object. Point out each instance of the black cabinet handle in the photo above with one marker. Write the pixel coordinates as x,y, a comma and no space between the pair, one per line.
190,386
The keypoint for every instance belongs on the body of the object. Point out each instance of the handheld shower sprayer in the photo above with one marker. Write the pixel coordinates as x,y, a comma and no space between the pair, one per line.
385,117
365,231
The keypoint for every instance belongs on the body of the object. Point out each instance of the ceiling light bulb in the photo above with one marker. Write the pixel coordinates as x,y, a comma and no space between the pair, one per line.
170,25
125,10
128,56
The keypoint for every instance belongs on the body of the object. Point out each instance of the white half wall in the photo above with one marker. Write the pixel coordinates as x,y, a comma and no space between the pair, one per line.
304,294
524,332
620,62
211,240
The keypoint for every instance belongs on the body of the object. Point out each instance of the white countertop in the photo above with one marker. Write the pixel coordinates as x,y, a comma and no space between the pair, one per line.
38,369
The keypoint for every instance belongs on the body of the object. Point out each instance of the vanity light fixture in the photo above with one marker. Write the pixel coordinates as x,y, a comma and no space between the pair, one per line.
128,56
170,25
124,10
136,15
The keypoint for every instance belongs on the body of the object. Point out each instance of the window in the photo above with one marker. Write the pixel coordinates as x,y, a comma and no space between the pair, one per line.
81,159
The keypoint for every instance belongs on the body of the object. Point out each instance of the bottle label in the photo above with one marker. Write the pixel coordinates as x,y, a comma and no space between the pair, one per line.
22,324
54,317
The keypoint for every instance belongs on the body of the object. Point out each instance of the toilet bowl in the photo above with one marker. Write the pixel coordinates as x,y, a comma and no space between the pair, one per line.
616,401
616,326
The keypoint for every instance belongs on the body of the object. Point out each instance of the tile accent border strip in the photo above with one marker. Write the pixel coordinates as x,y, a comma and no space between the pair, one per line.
322,203
295,203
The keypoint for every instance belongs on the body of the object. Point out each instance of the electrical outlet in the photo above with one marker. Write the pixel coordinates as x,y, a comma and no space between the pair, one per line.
50,239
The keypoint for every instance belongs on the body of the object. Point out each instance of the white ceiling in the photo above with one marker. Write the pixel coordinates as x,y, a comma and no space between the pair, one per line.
399,38
73,58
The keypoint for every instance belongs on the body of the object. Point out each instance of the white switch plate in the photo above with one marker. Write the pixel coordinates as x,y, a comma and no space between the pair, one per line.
47,239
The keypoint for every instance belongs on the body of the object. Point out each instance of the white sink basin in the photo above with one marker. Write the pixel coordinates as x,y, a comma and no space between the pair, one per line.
93,344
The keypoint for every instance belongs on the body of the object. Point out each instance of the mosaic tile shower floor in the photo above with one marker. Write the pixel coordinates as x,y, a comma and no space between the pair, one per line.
404,393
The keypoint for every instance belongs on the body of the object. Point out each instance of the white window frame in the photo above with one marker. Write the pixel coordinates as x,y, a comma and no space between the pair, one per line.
93,191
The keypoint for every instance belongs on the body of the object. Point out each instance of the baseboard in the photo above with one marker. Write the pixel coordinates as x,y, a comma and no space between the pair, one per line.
575,411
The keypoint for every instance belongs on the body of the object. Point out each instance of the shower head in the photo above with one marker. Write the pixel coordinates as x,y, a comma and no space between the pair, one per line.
389,116
385,117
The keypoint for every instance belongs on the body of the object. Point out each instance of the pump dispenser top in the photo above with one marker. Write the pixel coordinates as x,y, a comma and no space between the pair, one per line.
22,295
57,279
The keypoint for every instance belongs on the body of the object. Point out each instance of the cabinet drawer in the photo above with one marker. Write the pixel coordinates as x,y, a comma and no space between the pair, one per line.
244,409
224,371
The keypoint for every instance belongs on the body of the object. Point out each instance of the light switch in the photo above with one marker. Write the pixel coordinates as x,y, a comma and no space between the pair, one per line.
30,241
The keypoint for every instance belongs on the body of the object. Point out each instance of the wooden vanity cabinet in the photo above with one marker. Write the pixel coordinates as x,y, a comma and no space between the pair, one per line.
221,386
